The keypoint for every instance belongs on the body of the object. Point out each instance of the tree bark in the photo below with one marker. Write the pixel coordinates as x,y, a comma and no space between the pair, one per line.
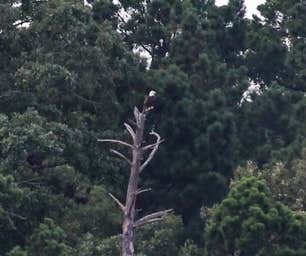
129,214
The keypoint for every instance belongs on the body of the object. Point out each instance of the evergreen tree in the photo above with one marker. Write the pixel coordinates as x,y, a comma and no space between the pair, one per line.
249,222
47,239
70,74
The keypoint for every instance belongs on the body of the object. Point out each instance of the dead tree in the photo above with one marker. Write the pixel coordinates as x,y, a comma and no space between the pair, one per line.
137,165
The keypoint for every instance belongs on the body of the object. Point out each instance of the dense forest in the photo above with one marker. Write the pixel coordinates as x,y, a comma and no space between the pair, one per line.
230,105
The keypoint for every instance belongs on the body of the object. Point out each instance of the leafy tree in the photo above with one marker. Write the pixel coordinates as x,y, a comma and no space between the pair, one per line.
47,72
11,197
70,74
266,52
288,19
270,50
152,25
17,251
272,125
53,187
249,221
47,239
285,179
189,248
162,239
97,219
154,239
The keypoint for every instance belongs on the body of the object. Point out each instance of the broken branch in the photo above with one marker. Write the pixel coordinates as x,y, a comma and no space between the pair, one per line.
139,224
152,217
131,122
121,155
116,141
136,114
130,130
152,153
152,145
122,207
140,191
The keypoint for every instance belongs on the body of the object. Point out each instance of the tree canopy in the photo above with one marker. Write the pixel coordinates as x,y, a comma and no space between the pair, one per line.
230,92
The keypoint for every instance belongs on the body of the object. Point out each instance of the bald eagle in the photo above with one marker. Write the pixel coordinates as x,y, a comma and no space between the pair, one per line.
86,3
149,101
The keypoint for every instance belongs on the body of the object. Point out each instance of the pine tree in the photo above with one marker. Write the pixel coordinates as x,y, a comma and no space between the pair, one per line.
248,221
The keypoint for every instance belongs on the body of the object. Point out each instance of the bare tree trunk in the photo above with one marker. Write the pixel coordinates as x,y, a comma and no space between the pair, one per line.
129,213
136,167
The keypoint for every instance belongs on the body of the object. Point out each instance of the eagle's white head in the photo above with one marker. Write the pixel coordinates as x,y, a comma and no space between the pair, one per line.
152,93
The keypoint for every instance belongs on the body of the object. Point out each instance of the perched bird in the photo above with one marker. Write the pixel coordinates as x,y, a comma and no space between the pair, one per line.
149,101
87,4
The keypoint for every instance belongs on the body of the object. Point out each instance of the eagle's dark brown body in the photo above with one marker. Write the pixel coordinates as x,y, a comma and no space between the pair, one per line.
149,101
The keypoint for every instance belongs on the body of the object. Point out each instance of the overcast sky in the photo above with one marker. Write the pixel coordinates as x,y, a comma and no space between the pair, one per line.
250,4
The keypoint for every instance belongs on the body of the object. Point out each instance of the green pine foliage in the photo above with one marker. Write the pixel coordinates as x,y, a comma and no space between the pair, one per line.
249,221
70,74
47,239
